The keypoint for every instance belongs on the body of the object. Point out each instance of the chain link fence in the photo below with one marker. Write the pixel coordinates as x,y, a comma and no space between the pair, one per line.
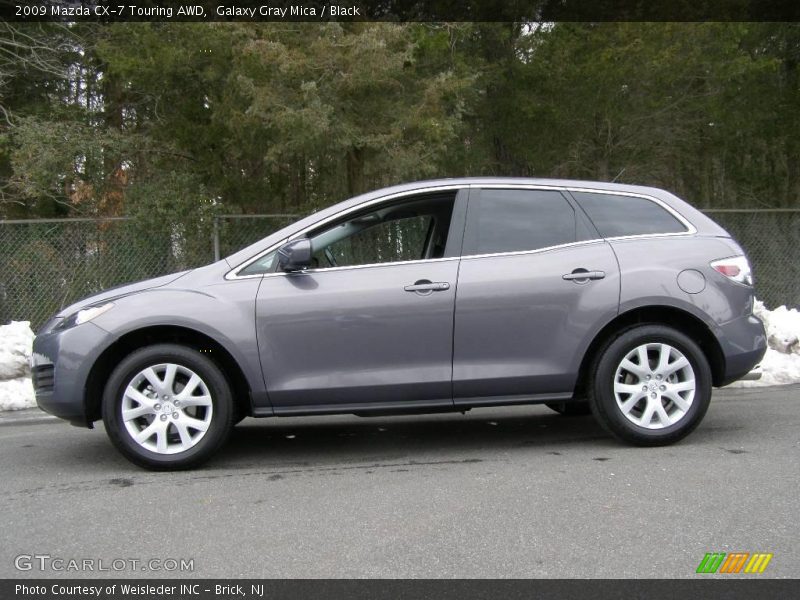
771,239
234,232
46,264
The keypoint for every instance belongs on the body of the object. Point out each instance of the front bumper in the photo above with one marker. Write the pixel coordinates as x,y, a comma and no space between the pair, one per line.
61,363
743,342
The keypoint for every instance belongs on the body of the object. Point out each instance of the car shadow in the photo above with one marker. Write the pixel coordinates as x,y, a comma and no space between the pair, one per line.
304,439
262,445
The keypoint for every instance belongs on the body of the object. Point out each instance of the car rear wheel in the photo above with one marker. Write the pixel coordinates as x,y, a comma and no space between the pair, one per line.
167,407
651,386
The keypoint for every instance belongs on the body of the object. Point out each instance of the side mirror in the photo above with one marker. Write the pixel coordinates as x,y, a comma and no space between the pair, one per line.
295,255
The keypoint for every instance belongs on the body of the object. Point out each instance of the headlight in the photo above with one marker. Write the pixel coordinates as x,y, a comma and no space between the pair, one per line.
84,315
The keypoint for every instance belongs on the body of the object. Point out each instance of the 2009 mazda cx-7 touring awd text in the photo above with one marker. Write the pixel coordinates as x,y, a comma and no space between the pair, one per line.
427,297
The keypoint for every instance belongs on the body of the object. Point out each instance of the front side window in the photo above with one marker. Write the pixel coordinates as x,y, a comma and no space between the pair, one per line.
515,220
413,229
394,240
614,215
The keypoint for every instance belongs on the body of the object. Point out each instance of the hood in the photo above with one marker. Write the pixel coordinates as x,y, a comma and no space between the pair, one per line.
120,291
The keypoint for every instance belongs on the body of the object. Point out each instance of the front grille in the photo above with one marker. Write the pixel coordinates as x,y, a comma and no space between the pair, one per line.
43,378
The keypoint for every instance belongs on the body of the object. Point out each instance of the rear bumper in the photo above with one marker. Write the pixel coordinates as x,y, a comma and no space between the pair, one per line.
753,375
61,363
743,342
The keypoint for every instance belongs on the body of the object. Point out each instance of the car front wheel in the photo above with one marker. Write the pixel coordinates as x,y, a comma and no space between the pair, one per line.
167,407
651,386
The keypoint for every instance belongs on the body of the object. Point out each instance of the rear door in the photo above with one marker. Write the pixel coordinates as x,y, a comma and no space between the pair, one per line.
535,285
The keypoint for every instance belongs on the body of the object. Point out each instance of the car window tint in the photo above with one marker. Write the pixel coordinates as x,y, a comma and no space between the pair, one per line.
615,215
518,220
390,241
415,228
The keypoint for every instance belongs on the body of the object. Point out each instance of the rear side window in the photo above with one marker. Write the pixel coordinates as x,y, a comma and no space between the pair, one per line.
615,215
518,220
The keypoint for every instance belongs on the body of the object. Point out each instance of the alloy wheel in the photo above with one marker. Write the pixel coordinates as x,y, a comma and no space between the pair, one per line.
654,385
167,408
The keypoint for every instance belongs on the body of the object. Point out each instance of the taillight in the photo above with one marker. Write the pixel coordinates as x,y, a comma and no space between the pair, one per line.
736,268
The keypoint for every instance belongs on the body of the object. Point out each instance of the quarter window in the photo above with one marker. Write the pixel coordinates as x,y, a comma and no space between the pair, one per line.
615,215
261,266
518,220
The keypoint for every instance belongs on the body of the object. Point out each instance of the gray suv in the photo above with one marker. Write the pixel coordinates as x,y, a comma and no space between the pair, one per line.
427,297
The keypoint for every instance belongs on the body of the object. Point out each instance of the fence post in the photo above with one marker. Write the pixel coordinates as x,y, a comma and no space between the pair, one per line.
215,238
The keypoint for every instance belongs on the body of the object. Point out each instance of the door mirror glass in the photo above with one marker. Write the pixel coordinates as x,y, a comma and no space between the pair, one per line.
295,255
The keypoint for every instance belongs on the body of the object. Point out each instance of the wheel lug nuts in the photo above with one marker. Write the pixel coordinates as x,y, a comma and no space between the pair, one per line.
157,407
163,417
175,415
177,402
653,395
658,376
648,377
663,388
644,388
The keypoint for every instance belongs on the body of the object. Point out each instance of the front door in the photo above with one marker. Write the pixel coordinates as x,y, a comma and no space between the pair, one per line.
371,324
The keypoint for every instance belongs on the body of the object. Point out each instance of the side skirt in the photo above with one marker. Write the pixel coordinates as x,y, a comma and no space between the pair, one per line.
405,408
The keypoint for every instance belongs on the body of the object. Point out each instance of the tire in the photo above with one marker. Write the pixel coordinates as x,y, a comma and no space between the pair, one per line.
625,396
570,409
186,428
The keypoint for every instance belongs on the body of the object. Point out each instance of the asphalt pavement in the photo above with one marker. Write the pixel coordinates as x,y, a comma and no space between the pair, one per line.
513,492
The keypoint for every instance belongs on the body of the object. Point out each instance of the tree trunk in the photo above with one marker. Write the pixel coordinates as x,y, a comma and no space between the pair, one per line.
791,93
111,200
355,171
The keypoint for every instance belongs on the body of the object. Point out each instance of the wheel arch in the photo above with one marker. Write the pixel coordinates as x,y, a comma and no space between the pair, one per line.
671,316
145,336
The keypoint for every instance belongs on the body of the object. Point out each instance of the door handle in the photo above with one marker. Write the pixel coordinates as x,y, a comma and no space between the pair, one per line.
423,286
583,275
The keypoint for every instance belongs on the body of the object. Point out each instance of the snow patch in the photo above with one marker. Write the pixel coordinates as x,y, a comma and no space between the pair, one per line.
16,390
16,394
782,325
16,340
781,363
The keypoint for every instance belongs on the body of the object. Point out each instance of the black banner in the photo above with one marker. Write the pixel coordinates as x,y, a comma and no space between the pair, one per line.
398,10
254,589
